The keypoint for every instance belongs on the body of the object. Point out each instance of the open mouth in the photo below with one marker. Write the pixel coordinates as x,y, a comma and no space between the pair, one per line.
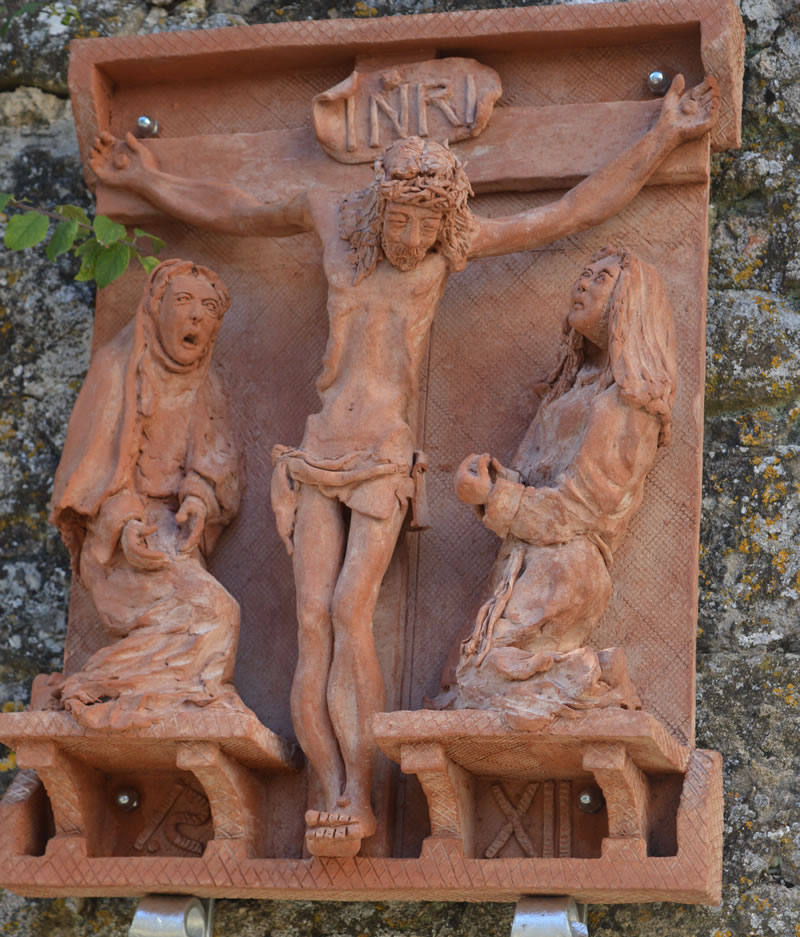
190,339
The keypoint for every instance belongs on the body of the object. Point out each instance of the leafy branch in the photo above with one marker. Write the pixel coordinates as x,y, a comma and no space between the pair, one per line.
103,246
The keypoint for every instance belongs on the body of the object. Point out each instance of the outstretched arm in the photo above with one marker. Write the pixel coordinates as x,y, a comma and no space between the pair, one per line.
683,117
130,165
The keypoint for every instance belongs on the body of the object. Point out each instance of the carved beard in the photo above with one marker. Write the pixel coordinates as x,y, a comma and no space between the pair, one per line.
403,258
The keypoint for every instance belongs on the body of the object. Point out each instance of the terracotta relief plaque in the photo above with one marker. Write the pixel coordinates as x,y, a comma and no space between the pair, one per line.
383,499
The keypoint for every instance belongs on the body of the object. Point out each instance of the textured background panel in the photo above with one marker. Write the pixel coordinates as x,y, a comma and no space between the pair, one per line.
496,334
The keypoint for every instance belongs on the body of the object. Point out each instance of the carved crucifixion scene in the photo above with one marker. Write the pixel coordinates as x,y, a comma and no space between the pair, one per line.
340,498
423,315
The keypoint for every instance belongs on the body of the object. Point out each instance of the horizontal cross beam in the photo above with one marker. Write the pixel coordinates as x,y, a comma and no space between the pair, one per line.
522,149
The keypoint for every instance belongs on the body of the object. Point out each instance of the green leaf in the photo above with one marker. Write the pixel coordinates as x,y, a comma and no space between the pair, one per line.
88,252
74,211
62,240
107,231
90,244
5,198
156,242
149,263
26,230
111,263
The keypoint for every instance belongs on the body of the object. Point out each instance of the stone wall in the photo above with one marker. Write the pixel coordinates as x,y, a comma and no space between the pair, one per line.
749,628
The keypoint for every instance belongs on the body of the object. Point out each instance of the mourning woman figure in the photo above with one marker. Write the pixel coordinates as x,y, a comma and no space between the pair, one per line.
149,477
578,480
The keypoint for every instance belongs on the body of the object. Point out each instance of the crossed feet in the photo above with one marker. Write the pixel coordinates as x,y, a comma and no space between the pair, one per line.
338,834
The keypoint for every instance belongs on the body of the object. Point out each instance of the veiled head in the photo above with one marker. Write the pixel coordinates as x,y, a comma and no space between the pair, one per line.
186,302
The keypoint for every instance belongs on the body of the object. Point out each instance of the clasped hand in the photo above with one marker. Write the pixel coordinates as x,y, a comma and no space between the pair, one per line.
476,476
191,517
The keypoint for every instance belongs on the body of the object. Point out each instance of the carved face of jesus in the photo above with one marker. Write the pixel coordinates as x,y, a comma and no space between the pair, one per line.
409,232
588,308
188,318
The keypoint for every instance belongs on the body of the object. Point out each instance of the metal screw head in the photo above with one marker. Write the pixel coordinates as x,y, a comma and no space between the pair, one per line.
658,82
127,799
591,800
147,126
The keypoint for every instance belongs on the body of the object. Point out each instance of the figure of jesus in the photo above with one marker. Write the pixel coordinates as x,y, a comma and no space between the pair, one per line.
341,496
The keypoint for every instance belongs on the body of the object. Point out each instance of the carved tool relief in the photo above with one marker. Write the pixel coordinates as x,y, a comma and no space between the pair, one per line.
179,825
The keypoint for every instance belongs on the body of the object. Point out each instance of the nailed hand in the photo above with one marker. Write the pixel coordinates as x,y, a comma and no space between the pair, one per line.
691,113
120,163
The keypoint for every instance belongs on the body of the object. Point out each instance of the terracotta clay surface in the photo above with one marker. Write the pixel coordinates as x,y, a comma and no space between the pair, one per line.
340,498
445,99
495,336
150,475
565,506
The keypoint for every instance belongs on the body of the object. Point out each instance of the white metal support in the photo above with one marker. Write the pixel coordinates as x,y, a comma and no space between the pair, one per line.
549,917
173,916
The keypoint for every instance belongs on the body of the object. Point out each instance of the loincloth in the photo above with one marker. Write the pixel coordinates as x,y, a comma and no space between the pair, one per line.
366,486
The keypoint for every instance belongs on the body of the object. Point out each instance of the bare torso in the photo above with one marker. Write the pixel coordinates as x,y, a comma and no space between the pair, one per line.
379,331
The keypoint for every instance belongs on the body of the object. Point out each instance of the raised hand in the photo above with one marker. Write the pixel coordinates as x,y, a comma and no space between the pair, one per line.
192,515
690,114
120,163
137,553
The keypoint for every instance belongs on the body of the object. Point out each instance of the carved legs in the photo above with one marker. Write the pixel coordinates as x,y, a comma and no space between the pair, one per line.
338,685
627,795
449,791
76,794
236,796
448,788
82,811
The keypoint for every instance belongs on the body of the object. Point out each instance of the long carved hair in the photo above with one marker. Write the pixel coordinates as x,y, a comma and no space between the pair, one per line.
416,172
641,343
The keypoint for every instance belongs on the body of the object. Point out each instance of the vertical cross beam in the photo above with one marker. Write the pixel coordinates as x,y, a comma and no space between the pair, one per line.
564,819
548,821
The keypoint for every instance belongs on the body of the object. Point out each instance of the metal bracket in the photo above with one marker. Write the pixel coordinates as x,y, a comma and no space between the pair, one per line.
549,917
173,916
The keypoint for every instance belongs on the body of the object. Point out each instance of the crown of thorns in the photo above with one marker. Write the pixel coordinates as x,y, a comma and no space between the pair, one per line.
425,173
